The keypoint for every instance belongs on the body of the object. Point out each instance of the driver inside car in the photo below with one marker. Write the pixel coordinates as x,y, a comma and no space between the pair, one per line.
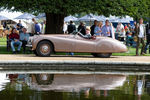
88,34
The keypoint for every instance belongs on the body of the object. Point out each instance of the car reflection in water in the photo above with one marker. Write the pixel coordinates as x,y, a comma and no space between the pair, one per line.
58,86
76,83
67,83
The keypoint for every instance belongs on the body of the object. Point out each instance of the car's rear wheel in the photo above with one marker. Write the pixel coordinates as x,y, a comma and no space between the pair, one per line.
44,49
102,55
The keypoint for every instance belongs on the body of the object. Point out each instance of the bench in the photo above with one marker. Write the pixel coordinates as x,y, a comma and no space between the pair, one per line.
9,44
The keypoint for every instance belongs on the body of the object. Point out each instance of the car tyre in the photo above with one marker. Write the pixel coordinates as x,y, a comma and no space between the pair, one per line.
102,55
44,49
49,79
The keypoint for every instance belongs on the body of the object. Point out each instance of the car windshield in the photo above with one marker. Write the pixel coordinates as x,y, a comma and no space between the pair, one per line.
87,36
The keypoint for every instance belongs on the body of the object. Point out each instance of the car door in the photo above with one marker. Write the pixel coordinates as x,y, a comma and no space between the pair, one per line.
85,45
65,43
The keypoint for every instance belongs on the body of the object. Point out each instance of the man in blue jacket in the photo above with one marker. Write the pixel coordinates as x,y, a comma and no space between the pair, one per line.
107,30
37,28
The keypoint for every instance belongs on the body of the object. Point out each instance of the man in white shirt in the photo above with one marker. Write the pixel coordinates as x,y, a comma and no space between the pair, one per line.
141,36
43,27
120,29
65,27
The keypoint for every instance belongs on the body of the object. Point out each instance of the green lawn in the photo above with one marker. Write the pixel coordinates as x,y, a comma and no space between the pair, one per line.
3,50
3,41
131,52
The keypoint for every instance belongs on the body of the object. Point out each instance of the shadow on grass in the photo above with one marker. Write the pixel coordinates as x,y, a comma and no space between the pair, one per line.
3,50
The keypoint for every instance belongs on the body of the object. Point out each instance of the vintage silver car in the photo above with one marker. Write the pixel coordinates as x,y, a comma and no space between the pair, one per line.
45,45
75,82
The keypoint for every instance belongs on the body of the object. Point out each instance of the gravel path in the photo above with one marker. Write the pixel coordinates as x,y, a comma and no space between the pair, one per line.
133,59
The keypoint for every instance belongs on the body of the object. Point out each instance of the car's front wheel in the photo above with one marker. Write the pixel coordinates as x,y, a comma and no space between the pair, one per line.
44,49
102,55
44,79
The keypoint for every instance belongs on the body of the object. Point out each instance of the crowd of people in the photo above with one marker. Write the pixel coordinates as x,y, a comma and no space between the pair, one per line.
131,35
98,29
20,35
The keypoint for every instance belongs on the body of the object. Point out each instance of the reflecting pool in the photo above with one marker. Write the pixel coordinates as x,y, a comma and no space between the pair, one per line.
74,87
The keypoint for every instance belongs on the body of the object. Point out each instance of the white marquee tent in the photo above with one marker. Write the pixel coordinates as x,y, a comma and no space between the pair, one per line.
88,17
70,18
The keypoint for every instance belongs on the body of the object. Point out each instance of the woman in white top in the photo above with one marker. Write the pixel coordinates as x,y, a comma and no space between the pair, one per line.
113,31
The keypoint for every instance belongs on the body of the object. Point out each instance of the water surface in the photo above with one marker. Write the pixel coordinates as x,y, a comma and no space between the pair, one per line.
74,87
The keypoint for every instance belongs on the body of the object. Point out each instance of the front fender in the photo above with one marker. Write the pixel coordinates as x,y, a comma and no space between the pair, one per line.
35,41
110,46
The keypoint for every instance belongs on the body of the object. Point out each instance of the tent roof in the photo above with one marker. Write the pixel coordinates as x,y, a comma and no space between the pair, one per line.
42,15
89,17
70,18
4,18
25,16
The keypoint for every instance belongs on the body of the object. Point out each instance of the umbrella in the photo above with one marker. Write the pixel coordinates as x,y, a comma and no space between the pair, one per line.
89,17
70,18
25,16
3,18
42,15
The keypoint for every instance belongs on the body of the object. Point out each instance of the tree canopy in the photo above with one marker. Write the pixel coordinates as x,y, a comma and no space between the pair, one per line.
134,8
103,7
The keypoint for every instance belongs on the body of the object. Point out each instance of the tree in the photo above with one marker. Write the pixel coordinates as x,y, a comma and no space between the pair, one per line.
141,9
137,8
56,10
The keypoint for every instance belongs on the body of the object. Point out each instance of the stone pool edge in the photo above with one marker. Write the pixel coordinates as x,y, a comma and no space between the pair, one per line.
72,65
